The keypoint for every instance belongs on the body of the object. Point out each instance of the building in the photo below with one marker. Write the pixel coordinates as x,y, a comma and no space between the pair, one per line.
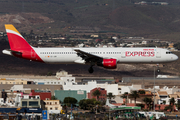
44,95
53,106
144,42
127,89
162,96
94,36
139,100
29,104
113,88
19,88
62,73
101,97
14,82
26,88
77,94
7,99
30,101
85,80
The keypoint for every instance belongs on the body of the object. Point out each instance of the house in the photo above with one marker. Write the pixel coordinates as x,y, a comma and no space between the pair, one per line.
139,100
44,95
102,95
53,106
162,96
170,90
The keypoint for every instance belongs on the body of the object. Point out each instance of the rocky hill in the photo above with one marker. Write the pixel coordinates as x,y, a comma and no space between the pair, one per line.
122,17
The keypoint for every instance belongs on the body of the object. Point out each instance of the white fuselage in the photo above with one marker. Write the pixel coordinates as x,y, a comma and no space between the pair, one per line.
123,55
104,57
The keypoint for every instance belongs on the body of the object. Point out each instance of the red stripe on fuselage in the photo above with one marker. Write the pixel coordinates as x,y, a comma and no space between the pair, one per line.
19,44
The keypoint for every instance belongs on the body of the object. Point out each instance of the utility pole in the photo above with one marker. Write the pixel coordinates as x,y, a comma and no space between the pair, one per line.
154,89
109,114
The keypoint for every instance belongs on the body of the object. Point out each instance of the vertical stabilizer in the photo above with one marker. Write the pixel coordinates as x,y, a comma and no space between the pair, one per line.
19,46
16,40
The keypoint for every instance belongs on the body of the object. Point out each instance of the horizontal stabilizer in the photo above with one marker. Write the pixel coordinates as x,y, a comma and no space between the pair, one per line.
11,52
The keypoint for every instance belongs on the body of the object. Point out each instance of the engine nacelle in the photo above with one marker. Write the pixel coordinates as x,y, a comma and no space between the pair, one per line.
108,63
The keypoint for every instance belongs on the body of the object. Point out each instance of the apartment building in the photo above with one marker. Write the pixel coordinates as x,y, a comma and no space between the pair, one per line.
53,106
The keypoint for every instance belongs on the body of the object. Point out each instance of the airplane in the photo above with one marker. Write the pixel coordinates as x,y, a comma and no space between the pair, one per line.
104,57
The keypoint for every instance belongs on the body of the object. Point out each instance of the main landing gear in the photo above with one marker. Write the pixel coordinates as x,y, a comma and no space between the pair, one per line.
91,70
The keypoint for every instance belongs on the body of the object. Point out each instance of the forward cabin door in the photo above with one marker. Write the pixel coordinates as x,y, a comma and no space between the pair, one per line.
123,54
158,53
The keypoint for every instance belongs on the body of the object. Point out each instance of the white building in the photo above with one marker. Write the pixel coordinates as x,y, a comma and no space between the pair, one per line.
19,88
91,85
170,90
59,81
166,93
10,102
123,89
22,100
144,42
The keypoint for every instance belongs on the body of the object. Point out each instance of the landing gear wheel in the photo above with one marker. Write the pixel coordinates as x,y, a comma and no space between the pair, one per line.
91,70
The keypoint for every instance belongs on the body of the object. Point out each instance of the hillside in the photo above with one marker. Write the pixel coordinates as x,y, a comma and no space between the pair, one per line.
121,16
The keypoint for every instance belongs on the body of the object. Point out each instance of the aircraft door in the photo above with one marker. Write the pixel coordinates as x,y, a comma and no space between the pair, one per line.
158,53
123,54
33,55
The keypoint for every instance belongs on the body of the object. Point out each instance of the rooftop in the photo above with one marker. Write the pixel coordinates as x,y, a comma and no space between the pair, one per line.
162,93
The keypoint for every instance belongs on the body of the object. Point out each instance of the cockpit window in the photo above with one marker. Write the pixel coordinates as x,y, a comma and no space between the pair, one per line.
168,52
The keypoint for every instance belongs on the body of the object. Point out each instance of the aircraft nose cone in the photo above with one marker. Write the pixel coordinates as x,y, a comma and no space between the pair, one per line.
175,57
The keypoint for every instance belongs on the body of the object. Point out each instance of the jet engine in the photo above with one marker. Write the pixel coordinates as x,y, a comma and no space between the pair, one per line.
108,63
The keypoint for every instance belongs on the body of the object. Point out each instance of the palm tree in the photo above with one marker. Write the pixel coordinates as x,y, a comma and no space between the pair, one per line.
110,96
124,96
135,95
159,107
141,92
96,93
53,98
172,102
150,101
146,100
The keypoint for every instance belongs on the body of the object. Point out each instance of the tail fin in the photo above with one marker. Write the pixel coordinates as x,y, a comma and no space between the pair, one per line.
16,40
19,46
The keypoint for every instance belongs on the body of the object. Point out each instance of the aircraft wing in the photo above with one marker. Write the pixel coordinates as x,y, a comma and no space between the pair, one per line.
87,56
